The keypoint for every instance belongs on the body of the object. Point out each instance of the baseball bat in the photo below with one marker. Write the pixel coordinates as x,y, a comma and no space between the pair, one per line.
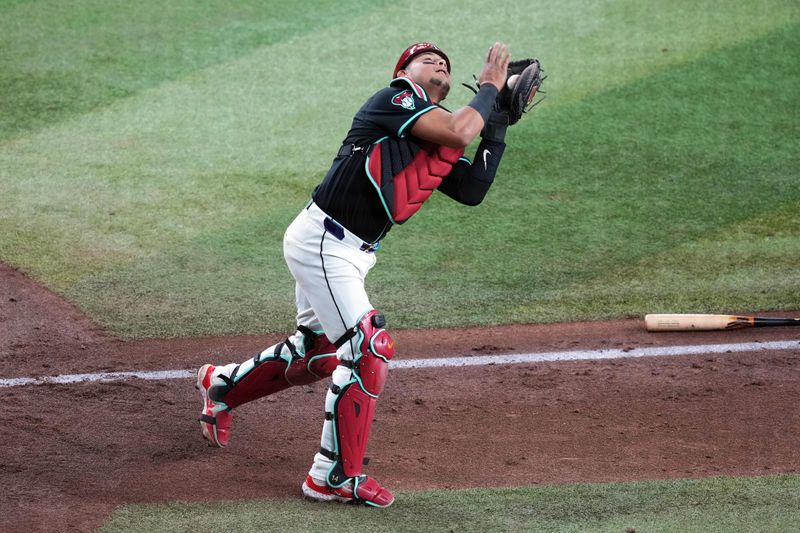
702,322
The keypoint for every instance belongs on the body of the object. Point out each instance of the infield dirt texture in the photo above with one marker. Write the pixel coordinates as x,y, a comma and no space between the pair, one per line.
74,453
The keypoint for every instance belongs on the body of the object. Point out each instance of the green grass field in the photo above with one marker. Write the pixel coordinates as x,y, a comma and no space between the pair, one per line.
152,154
709,505
151,158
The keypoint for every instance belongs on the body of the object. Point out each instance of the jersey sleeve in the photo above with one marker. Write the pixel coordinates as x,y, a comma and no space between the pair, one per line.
396,108
469,181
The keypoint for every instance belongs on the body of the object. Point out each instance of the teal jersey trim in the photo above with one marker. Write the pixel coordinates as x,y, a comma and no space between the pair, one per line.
466,159
401,132
377,188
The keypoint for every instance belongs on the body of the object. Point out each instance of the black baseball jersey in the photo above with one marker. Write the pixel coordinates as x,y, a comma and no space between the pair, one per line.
347,194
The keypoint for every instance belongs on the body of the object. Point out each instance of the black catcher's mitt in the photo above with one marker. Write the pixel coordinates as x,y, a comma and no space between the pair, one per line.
517,100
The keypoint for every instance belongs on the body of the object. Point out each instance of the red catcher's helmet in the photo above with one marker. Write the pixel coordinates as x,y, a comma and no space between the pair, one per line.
416,49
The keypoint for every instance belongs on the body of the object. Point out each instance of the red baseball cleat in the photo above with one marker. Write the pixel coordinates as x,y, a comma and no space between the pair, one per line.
367,492
324,493
216,418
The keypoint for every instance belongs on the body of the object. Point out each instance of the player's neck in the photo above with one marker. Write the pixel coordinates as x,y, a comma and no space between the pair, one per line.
435,93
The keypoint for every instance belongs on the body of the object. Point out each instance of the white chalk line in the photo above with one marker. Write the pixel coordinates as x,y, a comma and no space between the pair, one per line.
478,360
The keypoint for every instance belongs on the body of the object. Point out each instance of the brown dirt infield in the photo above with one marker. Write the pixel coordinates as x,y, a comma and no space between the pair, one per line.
74,452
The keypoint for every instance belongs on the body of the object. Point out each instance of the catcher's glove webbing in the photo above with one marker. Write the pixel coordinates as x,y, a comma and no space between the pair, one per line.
518,100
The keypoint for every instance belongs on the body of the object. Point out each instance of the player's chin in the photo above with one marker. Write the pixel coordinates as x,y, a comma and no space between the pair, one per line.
443,86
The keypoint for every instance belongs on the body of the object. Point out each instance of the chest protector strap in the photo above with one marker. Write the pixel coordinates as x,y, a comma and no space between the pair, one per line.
406,173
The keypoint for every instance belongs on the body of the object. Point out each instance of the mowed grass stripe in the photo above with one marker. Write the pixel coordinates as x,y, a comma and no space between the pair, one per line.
68,61
674,161
170,205
64,59
745,266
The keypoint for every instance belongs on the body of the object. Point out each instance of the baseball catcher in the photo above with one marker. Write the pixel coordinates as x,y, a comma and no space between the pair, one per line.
401,147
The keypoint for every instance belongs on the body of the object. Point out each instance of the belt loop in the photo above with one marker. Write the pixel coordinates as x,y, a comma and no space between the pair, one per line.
334,228
370,248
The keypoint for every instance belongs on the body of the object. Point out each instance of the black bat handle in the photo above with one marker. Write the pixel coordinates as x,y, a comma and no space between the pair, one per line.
764,322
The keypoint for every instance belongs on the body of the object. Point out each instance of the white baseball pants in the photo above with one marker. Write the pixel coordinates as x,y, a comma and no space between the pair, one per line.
329,267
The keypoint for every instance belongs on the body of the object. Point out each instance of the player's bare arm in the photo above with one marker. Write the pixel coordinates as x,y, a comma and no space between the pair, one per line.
460,128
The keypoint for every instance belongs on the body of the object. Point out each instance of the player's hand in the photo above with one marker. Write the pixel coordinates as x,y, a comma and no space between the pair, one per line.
495,68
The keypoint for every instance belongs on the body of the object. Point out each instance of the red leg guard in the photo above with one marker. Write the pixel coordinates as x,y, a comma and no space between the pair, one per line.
355,406
270,373
354,413
266,377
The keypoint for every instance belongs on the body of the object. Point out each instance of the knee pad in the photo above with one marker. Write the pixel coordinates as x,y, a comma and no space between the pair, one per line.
354,406
317,362
374,349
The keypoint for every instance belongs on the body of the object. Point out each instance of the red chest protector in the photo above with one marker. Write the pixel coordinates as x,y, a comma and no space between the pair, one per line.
406,173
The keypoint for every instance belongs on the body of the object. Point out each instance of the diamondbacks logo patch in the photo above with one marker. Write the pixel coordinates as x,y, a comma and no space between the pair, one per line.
404,99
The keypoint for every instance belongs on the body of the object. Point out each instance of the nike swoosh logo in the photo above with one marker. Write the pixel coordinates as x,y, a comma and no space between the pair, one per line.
485,154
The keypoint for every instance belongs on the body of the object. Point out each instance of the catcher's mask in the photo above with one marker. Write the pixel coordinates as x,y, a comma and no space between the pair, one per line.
416,49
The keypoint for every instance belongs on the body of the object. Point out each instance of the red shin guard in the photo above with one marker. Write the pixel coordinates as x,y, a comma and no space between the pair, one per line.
355,405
